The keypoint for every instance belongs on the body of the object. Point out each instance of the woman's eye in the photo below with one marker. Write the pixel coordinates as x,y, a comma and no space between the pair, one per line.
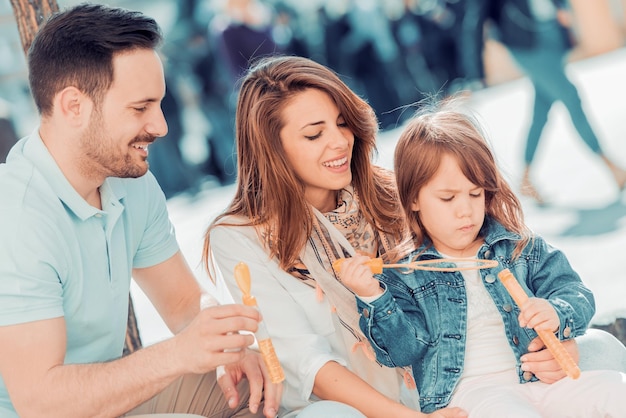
477,194
311,138
447,199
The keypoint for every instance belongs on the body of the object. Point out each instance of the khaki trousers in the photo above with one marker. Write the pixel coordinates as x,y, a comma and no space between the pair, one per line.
200,395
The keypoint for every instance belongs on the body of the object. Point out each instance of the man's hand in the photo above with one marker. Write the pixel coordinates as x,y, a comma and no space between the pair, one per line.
253,367
213,337
542,363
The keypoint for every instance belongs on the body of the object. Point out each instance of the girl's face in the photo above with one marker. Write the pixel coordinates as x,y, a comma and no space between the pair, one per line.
318,145
452,210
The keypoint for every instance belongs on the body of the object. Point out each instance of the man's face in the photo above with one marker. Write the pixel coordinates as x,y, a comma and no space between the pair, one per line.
129,118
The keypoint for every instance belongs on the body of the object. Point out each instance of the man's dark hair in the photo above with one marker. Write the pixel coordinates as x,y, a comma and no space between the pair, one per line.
76,47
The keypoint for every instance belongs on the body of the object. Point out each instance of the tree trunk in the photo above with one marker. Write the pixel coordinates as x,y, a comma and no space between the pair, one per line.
29,14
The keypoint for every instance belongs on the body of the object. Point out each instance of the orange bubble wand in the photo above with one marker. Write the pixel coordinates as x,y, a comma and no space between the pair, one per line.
242,276
549,339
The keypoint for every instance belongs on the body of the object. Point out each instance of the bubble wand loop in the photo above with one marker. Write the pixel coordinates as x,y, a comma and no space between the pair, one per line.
242,276
376,264
549,339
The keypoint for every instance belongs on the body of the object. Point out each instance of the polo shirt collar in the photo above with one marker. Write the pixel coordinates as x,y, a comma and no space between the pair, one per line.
36,152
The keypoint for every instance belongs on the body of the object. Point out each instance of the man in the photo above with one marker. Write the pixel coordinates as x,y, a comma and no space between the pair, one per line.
80,214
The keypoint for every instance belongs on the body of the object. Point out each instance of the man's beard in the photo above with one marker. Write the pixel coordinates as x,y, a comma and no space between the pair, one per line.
109,161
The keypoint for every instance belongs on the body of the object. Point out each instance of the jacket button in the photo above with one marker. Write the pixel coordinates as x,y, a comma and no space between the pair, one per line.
515,340
527,376
507,307
567,332
488,254
366,312
490,278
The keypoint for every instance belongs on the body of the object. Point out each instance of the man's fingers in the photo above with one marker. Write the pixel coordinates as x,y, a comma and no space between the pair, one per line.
232,324
232,310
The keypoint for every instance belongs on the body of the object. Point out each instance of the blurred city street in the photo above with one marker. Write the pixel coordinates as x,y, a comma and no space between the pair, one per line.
585,215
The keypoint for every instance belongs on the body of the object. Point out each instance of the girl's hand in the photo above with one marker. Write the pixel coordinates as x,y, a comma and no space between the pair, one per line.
358,277
537,313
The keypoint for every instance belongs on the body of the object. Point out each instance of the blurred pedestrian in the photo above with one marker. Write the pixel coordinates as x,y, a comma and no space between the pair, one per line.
537,35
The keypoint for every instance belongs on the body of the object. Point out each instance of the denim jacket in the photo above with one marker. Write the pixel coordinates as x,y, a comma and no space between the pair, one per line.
420,319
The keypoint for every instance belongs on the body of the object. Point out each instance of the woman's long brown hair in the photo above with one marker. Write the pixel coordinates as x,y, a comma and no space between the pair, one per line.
269,195
444,128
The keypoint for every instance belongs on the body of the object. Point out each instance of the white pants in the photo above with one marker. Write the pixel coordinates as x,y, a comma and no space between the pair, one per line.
595,394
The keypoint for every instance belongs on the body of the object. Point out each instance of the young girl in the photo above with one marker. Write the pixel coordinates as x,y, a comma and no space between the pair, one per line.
461,331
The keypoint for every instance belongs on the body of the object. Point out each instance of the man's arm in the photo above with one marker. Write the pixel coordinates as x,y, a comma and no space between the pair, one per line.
173,290
32,357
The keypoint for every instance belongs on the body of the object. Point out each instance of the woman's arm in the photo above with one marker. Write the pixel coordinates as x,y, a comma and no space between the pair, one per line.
335,382
300,325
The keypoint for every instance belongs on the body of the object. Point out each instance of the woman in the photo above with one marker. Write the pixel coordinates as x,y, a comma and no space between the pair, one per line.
307,195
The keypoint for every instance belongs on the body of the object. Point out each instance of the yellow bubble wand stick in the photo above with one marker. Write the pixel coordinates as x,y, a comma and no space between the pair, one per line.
549,339
242,276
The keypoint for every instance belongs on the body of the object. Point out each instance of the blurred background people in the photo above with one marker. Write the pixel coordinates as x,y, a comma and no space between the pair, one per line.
539,36
393,53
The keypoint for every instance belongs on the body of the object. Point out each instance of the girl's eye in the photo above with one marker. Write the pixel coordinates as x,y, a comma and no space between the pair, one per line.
311,138
477,194
447,199
342,124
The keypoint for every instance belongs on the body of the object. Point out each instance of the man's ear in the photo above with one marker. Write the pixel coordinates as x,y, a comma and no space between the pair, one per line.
73,106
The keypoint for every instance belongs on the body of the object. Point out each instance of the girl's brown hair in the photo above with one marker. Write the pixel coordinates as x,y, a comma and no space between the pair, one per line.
444,129
269,195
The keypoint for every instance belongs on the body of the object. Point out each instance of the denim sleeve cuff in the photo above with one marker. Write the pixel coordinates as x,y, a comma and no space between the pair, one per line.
380,306
567,328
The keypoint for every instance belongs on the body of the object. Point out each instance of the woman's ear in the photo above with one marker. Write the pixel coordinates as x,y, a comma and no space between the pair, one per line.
415,206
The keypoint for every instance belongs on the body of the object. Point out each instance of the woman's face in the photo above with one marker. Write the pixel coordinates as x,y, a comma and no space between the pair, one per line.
318,145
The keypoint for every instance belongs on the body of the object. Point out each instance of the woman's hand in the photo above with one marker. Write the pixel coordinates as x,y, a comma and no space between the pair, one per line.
542,363
252,367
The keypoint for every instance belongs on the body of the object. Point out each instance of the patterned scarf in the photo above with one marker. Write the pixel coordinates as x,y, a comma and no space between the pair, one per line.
339,234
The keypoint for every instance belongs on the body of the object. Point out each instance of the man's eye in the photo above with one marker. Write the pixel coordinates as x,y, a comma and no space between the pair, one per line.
140,109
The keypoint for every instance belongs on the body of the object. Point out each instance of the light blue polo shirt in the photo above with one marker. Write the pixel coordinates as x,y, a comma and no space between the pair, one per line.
59,256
